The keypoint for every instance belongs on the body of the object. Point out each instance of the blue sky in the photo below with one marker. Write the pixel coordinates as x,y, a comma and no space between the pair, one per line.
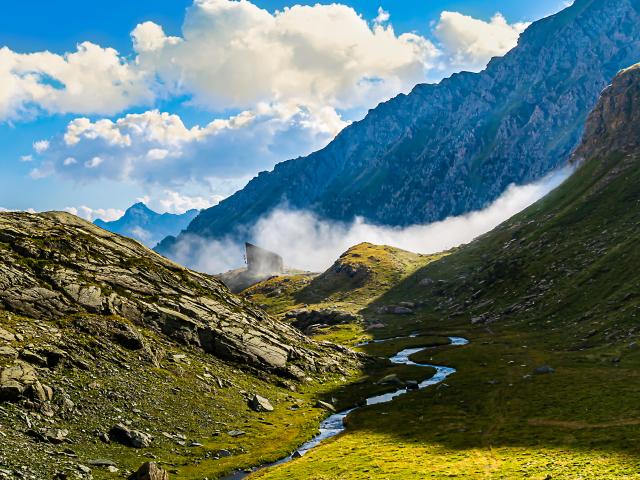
199,166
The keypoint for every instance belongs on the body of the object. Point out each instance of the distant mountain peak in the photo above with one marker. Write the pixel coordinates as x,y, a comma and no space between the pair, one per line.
148,226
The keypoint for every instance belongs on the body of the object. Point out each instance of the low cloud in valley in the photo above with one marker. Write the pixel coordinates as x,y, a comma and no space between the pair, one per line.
310,243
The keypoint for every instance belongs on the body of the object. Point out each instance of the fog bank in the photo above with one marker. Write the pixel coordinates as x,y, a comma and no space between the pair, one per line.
308,242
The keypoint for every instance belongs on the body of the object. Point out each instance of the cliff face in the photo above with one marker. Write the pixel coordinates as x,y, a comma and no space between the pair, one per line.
614,125
450,148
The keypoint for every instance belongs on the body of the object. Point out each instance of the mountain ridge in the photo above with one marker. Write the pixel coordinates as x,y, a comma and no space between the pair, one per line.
451,148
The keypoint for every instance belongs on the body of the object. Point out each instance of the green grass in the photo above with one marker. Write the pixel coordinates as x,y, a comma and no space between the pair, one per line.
555,285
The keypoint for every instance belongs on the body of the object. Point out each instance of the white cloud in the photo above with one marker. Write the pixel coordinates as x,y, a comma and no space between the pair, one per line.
157,148
90,214
91,80
175,202
470,43
383,16
235,54
311,243
28,210
26,158
41,146
95,162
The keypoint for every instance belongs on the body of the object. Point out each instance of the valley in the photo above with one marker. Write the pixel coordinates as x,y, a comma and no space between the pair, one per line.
514,356
548,301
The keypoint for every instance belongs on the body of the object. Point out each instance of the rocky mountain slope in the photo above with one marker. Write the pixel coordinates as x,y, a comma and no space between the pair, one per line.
147,226
550,302
108,349
450,148
568,256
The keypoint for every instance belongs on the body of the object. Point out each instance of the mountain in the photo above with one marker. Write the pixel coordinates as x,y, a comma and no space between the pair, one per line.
451,148
106,347
567,257
550,303
147,226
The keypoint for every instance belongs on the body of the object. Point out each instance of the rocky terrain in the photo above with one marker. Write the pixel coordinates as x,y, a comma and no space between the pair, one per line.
147,226
111,354
451,148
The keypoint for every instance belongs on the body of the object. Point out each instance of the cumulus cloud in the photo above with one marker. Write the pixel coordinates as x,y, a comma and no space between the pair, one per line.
470,43
157,148
41,146
176,202
235,54
311,243
91,80
91,214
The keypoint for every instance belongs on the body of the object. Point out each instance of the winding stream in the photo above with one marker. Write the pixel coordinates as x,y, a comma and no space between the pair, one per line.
334,424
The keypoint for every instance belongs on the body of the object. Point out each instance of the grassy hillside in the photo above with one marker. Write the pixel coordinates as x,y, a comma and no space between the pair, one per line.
556,286
352,282
97,330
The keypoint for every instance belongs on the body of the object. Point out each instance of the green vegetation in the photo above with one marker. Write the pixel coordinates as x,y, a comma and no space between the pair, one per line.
553,286
179,395
355,280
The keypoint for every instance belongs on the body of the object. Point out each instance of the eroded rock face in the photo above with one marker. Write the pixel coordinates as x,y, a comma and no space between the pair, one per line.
55,265
614,125
15,380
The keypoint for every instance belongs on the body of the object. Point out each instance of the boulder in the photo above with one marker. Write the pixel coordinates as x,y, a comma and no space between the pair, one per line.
396,309
260,404
11,391
412,385
409,305
128,338
55,435
392,379
400,310
15,379
128,437
33,358
8,353
102,462
325,405
543,370
7,336
54,356
150,471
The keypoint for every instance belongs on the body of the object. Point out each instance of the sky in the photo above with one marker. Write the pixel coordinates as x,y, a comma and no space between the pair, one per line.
179,103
